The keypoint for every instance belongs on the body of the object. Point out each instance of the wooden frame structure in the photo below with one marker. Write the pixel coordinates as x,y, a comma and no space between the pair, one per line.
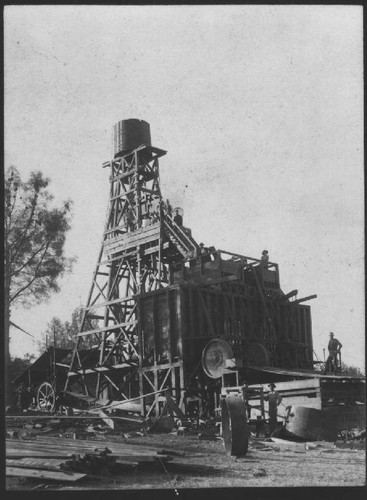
141,242
157,299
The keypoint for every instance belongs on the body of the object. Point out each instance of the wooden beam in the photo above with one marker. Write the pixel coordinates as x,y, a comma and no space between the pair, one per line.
290,294
108,303
106,419
108,328
43,474
36,463
98,369
304,299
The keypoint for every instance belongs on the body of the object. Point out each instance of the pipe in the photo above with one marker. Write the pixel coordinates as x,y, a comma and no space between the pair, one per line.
305,298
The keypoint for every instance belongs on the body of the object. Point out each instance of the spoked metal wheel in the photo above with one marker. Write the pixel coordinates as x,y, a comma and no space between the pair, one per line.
46,397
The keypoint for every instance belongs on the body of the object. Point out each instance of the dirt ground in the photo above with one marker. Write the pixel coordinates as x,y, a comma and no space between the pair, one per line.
261,467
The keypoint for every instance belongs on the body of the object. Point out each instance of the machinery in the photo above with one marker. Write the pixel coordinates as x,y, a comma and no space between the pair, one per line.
311,409
195,328
169,312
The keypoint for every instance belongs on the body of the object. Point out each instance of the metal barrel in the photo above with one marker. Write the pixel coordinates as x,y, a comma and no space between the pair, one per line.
129,135
312,424
234,425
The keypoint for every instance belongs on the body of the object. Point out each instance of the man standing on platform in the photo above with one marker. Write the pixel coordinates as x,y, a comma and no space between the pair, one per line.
178,218
334,347
264,259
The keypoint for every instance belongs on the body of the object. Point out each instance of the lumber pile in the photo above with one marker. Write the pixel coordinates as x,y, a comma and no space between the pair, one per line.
63,459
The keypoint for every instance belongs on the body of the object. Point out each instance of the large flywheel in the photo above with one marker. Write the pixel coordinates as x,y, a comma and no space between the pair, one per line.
216,357
46,397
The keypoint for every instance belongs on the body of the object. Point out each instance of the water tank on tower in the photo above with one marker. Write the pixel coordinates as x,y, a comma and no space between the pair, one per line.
129,135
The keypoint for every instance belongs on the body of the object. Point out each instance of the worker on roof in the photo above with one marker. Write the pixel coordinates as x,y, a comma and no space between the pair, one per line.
334,347
203,248
265,259
204,251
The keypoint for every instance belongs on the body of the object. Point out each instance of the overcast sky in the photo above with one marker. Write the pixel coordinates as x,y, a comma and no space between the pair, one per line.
259,107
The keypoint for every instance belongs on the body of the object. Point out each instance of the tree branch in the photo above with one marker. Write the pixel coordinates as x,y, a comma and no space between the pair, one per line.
12,207
22,236
14,273
20,291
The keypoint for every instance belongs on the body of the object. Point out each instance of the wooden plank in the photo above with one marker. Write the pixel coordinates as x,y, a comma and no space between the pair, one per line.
173,407
128,244
291,385
164,366
105,443
148,251
50,448
108,303
43,474
190,468
130,418
44,452
106,419
146,233
86,446
84,397
120,447
36,463
143,458
286,445
130,454
87,416
127,405
100,369
107,328
310,297
19,454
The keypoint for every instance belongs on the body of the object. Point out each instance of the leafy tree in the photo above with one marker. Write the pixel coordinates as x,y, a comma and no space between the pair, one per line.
34,239
65,334
351,370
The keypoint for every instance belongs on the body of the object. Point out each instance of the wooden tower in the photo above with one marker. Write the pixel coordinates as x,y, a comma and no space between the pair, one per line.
142,240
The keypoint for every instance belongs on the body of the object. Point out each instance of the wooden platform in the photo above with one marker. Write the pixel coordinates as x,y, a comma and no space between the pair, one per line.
131,240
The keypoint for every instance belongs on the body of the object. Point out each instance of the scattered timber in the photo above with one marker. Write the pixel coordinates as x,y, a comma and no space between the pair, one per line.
63,459
138,448
44,474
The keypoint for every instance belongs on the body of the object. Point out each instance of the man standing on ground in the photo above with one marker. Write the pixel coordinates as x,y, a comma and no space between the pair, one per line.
274,399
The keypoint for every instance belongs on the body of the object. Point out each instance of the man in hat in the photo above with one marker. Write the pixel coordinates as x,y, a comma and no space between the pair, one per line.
203,250
264,259
274,399
334,347
177,217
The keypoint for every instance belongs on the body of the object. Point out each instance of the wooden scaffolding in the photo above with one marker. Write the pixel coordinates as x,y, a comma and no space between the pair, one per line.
157,298
141,243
